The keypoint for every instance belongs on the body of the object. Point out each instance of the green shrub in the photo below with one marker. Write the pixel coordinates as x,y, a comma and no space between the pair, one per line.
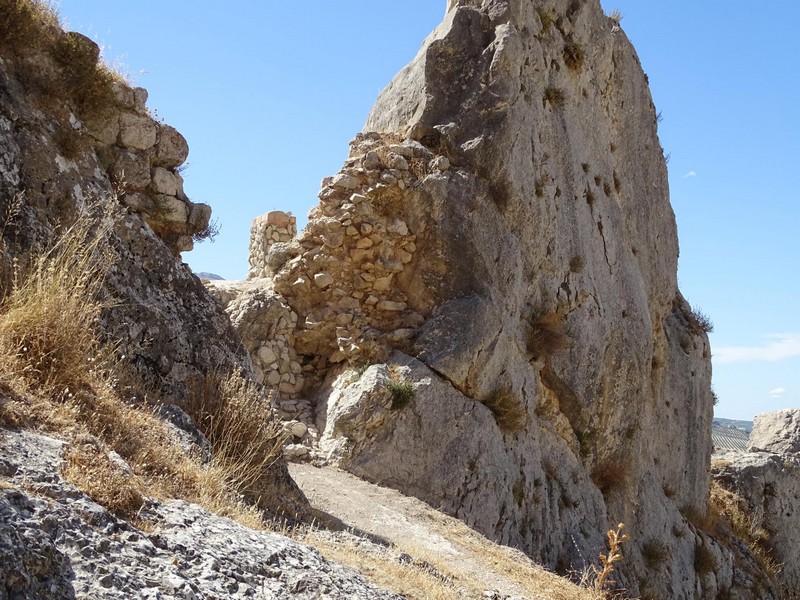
402,393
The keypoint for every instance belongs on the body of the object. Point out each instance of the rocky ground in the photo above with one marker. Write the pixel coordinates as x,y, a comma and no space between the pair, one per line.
55,542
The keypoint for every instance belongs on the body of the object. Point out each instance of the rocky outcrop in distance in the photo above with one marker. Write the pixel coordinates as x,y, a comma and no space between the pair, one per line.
485,310
766,480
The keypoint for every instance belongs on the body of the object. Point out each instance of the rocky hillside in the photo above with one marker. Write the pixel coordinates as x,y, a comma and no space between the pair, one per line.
483,309
71,132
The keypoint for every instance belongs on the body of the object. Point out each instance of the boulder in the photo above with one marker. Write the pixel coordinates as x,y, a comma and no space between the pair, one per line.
777,432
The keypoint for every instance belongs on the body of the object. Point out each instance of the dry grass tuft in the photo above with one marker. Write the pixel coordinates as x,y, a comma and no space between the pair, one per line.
609,476
411,578
573,56
47,337
704,561
555,96
699,322
31,28
508,410
23,21
546,335
102,480
728,509
57,376
235,415
654,552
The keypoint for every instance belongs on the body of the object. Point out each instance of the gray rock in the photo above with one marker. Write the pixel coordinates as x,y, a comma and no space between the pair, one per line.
137,132
57,543
777,432
769,486
172,149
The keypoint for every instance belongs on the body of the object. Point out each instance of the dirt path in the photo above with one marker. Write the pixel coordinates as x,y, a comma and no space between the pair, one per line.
417,529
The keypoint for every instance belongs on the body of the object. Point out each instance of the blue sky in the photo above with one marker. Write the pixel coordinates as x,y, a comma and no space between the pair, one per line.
268,94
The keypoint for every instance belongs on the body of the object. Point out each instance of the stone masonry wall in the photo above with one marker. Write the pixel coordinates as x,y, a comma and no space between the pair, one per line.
346,272
275,227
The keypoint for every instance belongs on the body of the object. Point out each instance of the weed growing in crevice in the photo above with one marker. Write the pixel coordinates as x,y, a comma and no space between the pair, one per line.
547,19
598,578
402,393
704,561
555,96
209,233
574,56
509,412
654,553
699,322
609,475
546,335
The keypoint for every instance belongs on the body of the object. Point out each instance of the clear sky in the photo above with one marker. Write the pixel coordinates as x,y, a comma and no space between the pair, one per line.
268,94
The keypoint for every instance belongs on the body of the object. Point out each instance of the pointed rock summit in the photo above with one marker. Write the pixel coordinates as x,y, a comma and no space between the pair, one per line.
488,315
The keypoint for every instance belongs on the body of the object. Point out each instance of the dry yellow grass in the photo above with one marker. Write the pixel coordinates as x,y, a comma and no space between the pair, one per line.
59,377
726,508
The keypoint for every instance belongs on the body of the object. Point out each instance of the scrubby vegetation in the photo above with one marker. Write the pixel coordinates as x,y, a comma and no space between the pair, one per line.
546,335
402,393
508,410
31,28
60,377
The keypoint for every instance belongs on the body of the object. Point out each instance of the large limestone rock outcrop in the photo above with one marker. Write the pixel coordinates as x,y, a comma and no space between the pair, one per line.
777,432
500,246
486,302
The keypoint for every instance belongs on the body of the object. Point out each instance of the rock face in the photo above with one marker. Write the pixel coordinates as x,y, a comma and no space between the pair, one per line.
55,542
71,133
500,247
777,432
767,480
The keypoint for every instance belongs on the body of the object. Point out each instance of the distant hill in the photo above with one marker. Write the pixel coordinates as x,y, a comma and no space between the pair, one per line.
211,276
730,434
744,425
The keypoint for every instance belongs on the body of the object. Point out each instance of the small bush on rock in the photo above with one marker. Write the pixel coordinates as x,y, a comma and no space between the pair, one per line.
574,56
608,476
704,561
554,96
508,411
546,335
700,322
654,552
402,393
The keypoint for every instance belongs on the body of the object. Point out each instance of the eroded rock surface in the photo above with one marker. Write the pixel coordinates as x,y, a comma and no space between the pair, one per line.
55,542
767,481
62,149
777,432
